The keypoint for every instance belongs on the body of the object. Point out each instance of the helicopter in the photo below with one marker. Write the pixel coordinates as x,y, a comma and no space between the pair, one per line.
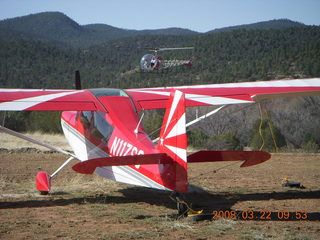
154,62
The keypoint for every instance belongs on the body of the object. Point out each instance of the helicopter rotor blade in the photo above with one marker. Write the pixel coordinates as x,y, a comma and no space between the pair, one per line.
177,48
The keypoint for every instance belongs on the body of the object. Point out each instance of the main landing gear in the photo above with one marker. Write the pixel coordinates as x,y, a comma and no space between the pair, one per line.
43,179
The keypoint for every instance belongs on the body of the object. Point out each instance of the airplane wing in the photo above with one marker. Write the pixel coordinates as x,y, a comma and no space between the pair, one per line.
46,100
224,94
153,98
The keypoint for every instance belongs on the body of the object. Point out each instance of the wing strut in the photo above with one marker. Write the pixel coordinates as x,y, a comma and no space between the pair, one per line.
205,116
19,135
62,166
43,179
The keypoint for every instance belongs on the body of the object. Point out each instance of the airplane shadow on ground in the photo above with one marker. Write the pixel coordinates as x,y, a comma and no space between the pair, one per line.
200,199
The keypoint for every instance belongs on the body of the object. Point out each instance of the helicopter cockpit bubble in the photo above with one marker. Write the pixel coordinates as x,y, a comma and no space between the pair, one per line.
148,62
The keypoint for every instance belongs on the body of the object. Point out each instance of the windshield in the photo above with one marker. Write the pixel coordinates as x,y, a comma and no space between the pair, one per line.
106,92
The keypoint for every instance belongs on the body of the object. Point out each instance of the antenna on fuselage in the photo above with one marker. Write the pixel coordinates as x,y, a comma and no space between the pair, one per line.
77,80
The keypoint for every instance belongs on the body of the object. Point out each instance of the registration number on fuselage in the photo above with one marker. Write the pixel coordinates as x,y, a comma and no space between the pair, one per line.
120,147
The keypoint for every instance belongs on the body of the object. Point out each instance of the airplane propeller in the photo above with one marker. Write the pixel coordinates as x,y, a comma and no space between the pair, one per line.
77,80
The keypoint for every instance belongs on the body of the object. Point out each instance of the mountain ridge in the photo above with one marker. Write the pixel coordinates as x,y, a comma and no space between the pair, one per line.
58,28
263,25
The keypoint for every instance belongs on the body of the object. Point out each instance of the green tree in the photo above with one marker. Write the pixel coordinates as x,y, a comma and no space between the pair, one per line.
48,122
309,143
227,141
197,138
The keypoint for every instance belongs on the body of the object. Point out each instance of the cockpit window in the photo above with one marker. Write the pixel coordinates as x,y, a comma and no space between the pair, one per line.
101,129
96,125
106,92
85,118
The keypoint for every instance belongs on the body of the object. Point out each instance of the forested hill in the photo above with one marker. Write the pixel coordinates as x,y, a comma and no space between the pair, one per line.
57,28
227,56
240,55
272,24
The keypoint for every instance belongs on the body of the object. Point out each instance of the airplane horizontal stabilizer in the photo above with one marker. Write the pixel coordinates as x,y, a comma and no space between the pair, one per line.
89,166
250,158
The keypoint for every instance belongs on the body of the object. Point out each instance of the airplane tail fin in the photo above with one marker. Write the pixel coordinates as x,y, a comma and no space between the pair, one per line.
173,138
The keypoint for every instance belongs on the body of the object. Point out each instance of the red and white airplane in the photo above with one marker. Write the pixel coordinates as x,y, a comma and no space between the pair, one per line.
104,128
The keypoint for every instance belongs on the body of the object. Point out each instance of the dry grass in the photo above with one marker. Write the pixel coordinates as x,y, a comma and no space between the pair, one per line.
56,140
89,207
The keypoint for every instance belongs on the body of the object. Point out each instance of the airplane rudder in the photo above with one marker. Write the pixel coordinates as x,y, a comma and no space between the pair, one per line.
173,130
173,138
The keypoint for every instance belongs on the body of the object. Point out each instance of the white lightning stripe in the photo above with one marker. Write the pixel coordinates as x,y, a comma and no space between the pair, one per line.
311,82
314,82
82,147
155,92
214,100
33,90
180,152
205,98
179,128
24,103
176,99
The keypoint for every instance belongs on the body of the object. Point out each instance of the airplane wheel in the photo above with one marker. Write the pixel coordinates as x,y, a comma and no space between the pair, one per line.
182,209
181,205
43,182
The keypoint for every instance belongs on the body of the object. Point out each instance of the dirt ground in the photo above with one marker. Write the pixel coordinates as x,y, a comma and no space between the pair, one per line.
89,207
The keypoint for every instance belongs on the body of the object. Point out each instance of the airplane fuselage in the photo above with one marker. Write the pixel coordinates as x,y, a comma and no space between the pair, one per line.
115,132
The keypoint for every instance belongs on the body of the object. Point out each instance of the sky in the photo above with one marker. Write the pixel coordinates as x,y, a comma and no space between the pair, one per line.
197,15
